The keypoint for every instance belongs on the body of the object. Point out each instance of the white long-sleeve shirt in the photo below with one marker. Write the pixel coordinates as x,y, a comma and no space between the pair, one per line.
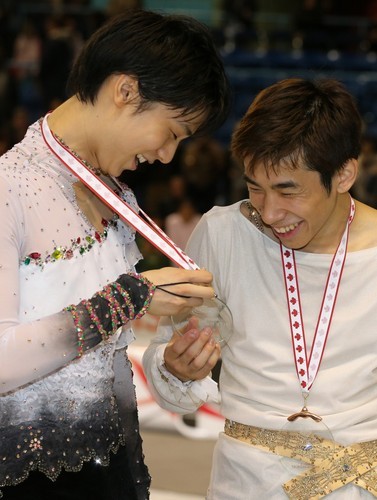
258,381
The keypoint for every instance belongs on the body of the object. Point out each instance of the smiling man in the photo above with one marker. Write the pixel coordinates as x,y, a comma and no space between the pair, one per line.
297,265
68,412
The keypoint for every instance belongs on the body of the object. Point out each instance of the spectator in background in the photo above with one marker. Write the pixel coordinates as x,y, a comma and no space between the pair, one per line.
27,52
310,31
115,7
365,187
205,167
18,124
238,23
8,96
171,197
180,224
25,68
57,58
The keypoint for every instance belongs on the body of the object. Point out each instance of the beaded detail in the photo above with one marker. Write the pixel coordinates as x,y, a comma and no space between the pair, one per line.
79,330
148,298
61,429
78,245
331,464
109,309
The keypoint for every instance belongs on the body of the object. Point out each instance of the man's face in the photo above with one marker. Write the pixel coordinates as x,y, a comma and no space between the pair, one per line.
133,137
296,207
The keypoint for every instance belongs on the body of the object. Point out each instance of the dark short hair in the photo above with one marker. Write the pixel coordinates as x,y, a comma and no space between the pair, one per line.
313,123
173,57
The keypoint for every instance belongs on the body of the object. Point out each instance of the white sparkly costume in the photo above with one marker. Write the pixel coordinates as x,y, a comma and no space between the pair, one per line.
55,412
258,382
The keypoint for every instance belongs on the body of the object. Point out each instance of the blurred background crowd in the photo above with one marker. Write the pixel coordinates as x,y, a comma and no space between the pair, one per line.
261,41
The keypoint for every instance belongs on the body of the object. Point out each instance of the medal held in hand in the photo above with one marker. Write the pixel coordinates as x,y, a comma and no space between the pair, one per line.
309,432
213,313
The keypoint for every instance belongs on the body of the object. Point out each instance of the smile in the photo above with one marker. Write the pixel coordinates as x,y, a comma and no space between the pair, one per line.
140,158
285,229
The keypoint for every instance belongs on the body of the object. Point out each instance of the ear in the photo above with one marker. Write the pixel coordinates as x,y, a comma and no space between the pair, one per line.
346,177
126,89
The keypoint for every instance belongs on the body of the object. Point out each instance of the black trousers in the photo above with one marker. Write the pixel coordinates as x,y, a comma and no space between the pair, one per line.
93,482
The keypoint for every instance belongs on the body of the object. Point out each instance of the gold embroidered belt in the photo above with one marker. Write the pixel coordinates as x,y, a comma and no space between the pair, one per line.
331,464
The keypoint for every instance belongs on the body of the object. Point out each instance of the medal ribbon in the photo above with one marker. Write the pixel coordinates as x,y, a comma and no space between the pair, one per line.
307,368
147,228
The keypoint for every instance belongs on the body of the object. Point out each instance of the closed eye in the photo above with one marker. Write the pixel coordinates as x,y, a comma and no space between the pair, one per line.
288,194
253,189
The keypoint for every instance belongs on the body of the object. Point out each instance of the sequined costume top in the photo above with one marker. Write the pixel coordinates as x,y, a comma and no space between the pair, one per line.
56,411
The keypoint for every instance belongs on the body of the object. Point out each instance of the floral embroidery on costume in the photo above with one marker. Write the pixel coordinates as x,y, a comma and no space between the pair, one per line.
80,245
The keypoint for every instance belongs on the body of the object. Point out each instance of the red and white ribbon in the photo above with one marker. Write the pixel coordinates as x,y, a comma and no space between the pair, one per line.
307,367
148,229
